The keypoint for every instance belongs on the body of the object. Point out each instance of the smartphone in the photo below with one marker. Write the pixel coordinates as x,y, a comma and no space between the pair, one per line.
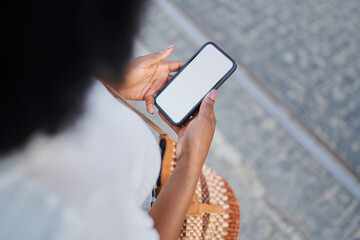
208,69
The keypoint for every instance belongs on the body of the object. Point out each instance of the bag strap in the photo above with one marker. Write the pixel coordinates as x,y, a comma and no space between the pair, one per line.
129,105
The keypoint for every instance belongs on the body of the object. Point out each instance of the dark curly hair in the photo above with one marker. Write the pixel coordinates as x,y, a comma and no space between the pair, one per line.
49,52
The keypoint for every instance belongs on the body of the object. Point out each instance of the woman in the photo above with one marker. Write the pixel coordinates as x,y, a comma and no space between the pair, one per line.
75,164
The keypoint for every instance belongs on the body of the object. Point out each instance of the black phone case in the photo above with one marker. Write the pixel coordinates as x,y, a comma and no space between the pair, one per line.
216,86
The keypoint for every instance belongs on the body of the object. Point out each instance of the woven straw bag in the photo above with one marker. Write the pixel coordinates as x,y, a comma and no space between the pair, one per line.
214,212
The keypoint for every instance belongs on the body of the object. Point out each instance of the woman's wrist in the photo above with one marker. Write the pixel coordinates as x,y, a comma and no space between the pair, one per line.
192,161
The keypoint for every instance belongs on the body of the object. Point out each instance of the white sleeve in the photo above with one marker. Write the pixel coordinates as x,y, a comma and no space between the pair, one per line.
110,216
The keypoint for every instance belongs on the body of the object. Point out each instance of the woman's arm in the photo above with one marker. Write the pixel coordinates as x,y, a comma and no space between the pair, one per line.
170,207
144,77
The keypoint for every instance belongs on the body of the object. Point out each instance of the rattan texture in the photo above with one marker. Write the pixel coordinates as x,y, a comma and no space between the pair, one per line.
211,189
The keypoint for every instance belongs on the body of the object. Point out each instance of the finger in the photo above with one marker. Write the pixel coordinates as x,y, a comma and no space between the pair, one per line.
159,56
163,84
166,52
174,66
149,101
195,114
155,88
173,127
207,105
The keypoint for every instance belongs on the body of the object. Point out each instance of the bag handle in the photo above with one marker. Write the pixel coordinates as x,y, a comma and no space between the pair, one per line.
129,105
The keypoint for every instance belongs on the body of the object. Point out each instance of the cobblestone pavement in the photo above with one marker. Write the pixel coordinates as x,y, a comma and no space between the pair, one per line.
307,53
283,191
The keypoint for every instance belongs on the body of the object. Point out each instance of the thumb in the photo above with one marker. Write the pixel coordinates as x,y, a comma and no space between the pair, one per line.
207,105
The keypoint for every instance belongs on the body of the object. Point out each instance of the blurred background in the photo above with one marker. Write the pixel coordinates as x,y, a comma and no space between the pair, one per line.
288,120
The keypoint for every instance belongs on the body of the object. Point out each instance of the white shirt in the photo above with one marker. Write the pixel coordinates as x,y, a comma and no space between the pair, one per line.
87,182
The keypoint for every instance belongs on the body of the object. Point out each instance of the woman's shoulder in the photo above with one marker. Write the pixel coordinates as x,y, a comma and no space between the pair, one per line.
107,146
99,169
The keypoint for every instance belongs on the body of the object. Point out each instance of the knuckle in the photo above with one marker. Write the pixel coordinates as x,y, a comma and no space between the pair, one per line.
214,120
211,102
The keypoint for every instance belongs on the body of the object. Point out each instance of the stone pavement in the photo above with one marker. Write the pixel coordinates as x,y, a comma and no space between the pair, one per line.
284,192
306,53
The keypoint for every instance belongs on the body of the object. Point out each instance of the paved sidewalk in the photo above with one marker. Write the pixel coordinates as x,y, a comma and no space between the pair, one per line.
305,53
285,193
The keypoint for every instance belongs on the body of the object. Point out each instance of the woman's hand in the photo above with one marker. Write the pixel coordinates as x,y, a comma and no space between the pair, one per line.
170,207
146,75
195,137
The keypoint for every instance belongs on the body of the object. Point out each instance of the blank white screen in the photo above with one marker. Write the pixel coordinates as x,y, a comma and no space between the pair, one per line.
191,85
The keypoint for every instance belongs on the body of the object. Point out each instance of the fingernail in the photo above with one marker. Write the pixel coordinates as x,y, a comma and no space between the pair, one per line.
213,94
169,47
152,110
